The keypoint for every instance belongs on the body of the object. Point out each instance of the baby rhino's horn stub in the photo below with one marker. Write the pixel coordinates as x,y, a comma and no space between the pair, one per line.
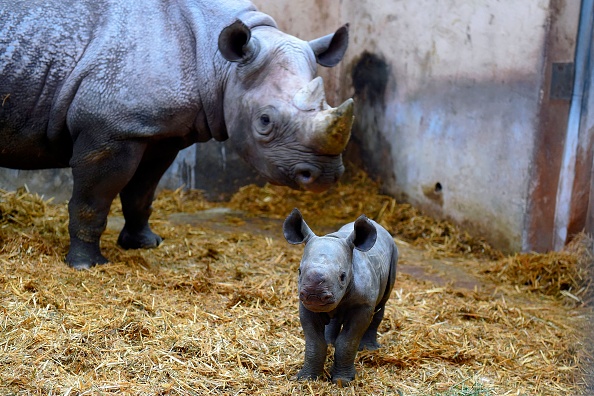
332,129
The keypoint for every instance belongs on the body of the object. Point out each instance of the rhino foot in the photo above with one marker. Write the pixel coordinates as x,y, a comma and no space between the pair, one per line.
370,345
343,377
84,255
144,238
304,375
342,381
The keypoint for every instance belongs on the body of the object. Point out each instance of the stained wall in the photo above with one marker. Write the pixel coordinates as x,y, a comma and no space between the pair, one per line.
453,111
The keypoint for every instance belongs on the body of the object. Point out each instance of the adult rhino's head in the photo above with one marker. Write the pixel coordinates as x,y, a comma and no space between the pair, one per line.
275,106
326,269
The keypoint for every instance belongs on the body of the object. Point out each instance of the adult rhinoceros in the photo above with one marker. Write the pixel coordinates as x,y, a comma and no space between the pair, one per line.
115,88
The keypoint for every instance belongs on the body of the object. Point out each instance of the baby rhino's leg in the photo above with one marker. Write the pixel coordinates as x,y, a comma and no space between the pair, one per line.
332,330
347,343
315,344
369,340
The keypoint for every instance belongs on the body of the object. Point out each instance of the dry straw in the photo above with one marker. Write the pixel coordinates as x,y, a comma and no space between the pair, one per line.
213,310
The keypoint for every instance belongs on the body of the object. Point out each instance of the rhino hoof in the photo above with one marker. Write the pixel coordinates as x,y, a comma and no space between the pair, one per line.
304,375
83,255
139,240
341,382
343,378
81,262
369,345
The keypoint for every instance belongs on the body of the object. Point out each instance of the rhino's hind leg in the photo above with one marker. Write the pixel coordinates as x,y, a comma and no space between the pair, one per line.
98,178
332,330
369,340
87,222
137,198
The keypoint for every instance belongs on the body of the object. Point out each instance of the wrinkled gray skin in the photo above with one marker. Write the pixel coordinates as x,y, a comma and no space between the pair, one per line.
115,88
345,279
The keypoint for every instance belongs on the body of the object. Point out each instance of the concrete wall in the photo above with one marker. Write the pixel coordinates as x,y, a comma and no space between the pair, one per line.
460,107
453,109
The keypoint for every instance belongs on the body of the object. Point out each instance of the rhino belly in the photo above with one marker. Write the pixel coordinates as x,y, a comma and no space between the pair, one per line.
24,139
39,48
26,154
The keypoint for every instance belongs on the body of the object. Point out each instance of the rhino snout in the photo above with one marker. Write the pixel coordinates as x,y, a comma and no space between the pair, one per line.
306,175
323,298
318,291
310,177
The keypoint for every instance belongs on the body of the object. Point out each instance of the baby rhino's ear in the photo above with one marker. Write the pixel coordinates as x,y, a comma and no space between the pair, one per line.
364,235
295,229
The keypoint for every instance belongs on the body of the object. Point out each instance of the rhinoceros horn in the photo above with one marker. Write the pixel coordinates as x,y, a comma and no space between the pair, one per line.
312,96
330,129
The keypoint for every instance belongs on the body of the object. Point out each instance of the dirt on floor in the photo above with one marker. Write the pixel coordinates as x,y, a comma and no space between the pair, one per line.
214,309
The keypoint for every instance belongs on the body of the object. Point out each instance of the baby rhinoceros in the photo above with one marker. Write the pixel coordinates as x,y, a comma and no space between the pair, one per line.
345,279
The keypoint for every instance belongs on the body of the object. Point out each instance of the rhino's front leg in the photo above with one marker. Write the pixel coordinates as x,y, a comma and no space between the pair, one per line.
315,344
347,344
99,173
137,198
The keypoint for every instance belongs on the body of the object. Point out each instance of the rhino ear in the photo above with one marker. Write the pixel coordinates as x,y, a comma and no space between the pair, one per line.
235,42
330,49
364,234
295,229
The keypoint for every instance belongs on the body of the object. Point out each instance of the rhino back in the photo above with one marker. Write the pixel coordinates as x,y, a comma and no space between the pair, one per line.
371,269
115,69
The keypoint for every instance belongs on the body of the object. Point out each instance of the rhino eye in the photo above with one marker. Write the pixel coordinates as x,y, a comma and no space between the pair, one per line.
343,277
264,123
299,271
265,119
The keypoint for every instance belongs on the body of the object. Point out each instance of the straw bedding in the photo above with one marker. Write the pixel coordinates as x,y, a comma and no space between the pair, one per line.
213,310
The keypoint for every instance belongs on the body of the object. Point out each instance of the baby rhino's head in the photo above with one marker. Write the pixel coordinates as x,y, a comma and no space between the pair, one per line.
326,267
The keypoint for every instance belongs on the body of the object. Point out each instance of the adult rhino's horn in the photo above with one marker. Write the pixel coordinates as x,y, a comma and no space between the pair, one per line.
312,96
332,129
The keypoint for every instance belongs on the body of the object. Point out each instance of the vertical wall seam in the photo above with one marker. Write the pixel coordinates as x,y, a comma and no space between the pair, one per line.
568,164
526,242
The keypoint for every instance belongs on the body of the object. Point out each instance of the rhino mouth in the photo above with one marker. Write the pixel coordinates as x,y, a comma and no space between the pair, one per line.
306,177
318,303
318,307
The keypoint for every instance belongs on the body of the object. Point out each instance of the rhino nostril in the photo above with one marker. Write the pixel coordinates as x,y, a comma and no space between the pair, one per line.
306,174
326,297
305,177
